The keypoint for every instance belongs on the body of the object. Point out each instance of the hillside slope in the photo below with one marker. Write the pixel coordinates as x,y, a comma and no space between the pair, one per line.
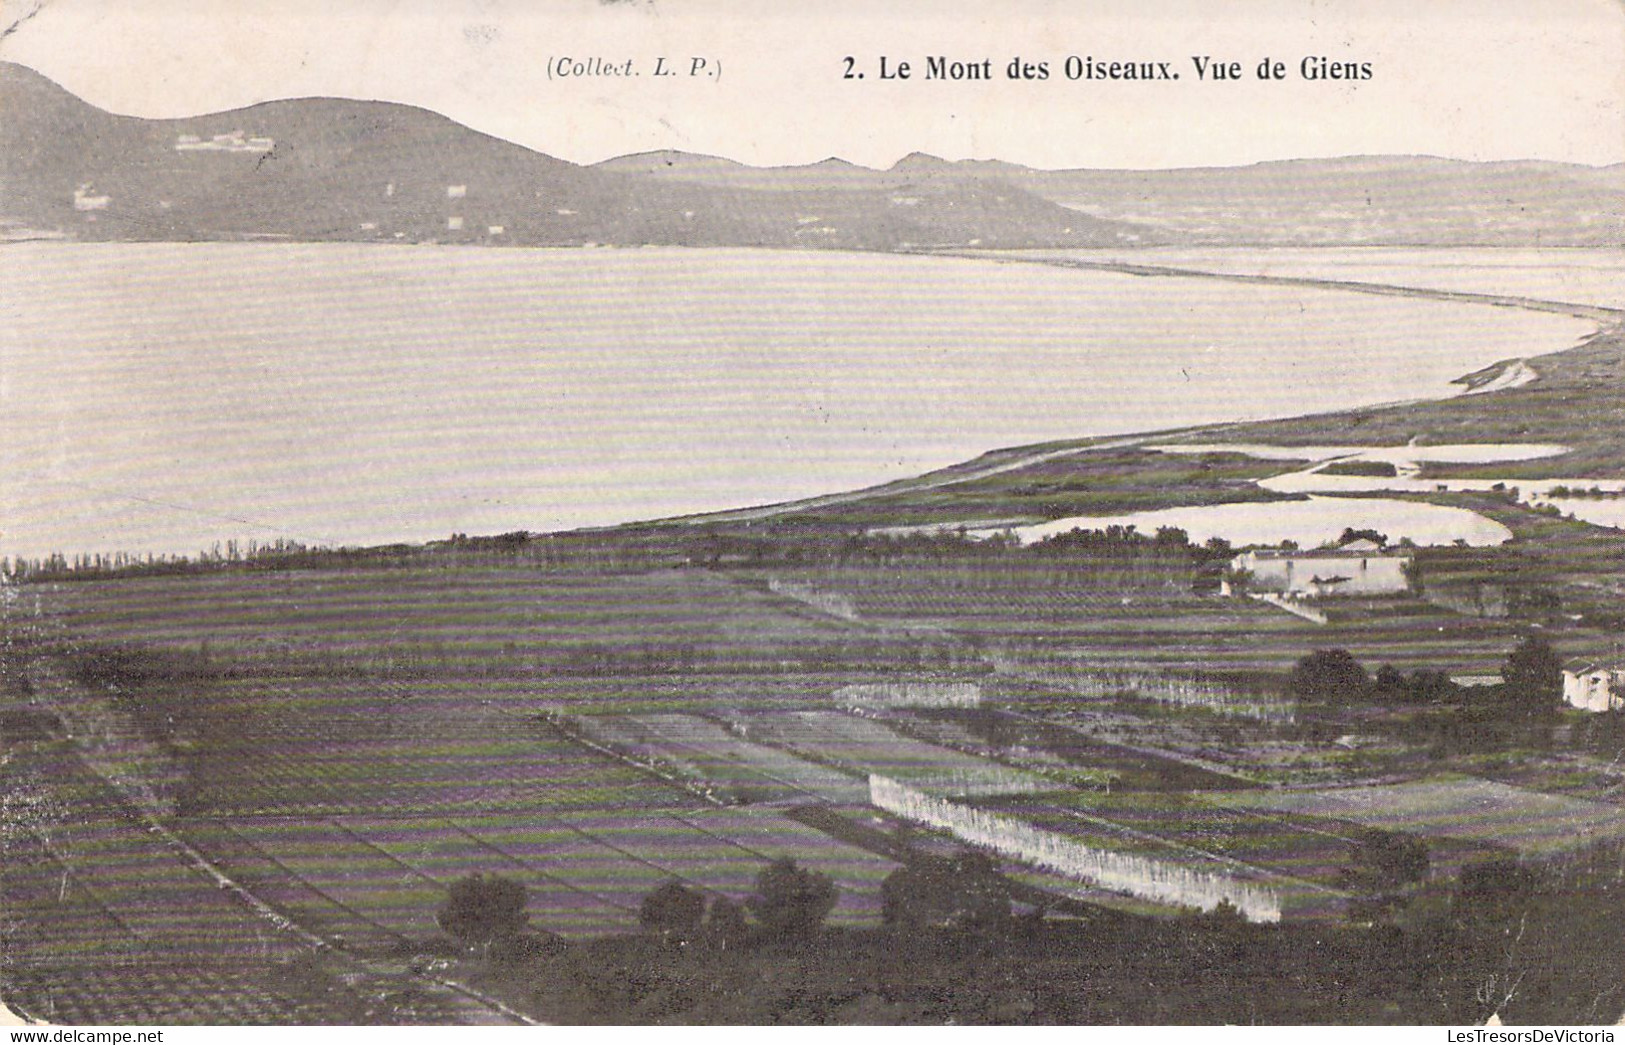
1356,200
333,169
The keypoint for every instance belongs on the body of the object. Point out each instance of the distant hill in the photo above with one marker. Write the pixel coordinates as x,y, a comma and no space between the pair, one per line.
1356,200
330,169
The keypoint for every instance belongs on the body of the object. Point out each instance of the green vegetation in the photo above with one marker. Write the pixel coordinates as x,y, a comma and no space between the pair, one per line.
674,911
1534,676
791,902
480,911
1501,942
1104,481
1329,677
1388,860
964,891
1381,469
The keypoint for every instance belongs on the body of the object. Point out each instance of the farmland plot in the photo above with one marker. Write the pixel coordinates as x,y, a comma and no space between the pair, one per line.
355,895
335,746
1303,865
393,874
1274,843
94,849
349,873
867,746
625,694
1023,738
465,775
1530,822
1039,603
768,835
1163,631
723,850
678,850
720,761
881,695
476,618
720,851
574,885
372,881
936,728
52,915
258,871
160,991
1098,853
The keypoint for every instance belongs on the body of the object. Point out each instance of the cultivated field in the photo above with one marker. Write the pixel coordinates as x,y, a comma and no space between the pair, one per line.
1026,740
164,991
93,881
327,746
1161,629
1314,849
720,762
110,921
1105,854
868,746
475,622
1532,823
375,882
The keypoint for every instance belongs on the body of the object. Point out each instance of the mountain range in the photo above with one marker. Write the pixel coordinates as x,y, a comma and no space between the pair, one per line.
324,169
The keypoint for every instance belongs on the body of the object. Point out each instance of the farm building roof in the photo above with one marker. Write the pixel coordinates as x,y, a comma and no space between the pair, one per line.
1583,665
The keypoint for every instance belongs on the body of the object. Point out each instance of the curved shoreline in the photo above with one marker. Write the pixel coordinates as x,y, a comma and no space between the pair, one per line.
1096,331
1600,314
1610,322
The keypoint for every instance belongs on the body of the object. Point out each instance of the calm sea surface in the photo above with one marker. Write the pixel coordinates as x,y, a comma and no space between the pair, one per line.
163,397
1579,276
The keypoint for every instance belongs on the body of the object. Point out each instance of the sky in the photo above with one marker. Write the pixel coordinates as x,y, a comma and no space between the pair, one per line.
1472,79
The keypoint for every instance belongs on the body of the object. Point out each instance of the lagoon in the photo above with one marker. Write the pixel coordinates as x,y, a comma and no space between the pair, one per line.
164,397
1309,523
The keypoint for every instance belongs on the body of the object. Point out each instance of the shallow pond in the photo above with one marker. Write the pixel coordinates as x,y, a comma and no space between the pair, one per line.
1316,521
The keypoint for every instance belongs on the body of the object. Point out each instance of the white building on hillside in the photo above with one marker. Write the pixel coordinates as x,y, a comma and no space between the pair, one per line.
1594,685
1357,568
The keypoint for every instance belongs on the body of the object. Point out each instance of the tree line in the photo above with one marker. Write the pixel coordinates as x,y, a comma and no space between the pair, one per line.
1529,943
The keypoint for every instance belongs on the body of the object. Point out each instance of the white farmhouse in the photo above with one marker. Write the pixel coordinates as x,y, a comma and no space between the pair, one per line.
83,200
1357,568
1592,685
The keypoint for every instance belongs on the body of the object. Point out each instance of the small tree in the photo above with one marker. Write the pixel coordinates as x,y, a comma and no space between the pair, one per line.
790,902
1430,686
1350,535
1534,676
725,925
1329,676
1387,860
673,910
1390,682
479,910
959,892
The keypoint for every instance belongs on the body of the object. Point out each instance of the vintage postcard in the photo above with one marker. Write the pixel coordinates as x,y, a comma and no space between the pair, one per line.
730,513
